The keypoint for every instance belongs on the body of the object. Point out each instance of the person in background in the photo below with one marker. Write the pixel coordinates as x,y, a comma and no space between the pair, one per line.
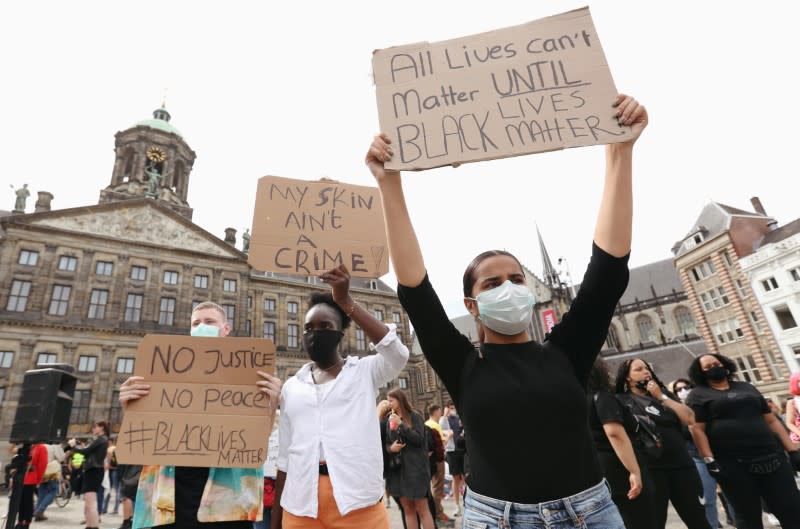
408,437
437,468
613,429
329,473
384,409
93,470
681,388
178,497
270,473
75,468
113,478
793,409
31,481
48,488
128,484
672,471
736,436
454,453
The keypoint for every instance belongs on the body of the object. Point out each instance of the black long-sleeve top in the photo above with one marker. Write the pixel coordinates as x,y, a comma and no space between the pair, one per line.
95,452
524,405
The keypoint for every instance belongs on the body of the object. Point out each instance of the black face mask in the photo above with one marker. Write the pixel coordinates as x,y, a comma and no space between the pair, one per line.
321,344
716,374
642,384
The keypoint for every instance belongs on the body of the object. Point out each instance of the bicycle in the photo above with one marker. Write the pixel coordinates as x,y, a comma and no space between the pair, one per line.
64,492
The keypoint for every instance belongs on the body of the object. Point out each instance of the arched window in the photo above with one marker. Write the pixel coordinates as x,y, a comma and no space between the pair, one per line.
645,326
613,338
685,321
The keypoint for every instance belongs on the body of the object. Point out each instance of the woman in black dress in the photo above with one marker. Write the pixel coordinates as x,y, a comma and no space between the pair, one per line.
613,429
411,482
93,470
737,436
513,380
672,471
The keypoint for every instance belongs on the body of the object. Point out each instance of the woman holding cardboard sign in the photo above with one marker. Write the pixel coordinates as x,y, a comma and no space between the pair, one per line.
510,371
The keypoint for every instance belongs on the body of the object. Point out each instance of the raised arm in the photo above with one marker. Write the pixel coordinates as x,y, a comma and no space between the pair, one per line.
614,220
403,245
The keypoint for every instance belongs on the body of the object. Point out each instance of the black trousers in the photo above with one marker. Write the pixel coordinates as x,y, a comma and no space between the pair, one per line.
26,505
682,487
745,492
637,513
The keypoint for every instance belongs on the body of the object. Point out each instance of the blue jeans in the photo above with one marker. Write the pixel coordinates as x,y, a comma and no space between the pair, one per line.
709,493
46,494
264,524
590,509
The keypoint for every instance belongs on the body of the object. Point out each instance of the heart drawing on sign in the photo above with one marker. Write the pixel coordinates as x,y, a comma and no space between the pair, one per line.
377,255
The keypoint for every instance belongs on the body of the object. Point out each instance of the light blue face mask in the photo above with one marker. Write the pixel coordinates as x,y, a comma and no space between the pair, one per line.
507,308
205,330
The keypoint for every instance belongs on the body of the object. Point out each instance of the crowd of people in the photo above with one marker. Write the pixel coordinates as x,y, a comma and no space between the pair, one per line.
591,452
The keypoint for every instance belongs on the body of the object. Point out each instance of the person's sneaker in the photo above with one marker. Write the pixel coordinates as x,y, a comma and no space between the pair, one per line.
126,524
773,520
39,517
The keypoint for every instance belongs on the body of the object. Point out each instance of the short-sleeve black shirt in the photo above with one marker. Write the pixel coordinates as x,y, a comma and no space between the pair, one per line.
734,419
673,453
605,409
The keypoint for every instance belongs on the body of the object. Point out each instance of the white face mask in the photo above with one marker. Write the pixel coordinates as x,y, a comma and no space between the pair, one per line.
683,393
506,309
205,330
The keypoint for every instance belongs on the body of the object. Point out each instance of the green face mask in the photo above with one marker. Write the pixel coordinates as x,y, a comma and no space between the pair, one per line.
205,330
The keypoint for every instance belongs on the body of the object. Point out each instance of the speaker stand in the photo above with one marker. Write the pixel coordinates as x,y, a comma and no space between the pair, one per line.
19,463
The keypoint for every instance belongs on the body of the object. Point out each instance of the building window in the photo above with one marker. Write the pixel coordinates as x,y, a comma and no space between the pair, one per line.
116,408
769,284
723,296
46,358
645,326
727,331
747,369
6,359
293,333
683,317
269,304
170,277
87,364
103,268
67,263
230,313
708,306
754,319
125,365
612,339
796,351
200,281
229,285
740,287
80,406
166,312
785,317
249,302
291,307
18,299
361,343
269,330
195,303
2,395
795,273
373,284
247,328
138,273
402,383
703,270
396,319
133,307
28,258
59,300
97,304
727,258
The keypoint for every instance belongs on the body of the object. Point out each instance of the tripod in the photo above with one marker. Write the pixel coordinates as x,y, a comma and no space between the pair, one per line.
19,464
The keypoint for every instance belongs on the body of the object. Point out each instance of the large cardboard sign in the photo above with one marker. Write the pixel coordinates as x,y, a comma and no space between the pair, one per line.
204,408
540,86
305,228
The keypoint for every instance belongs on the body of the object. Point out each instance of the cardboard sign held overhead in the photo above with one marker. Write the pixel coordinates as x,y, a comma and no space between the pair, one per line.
306,228
204,408
541,86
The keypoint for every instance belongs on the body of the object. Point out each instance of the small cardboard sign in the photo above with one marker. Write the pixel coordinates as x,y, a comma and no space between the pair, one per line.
537,87
204,408
306,228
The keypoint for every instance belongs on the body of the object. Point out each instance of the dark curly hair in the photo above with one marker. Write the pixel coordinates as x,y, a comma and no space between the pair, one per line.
698,377
621,384
326,298
599,378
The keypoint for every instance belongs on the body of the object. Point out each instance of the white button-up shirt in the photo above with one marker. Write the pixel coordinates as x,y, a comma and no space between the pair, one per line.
344,422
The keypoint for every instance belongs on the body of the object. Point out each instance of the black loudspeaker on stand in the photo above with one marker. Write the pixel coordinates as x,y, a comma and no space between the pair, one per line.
42,416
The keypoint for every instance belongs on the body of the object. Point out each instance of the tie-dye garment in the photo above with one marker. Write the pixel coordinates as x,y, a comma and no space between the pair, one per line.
230,494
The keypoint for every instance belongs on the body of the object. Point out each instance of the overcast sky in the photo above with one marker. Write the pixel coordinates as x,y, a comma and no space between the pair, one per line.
284,88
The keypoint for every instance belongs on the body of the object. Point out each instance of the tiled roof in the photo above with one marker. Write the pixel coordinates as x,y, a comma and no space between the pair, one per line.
779,234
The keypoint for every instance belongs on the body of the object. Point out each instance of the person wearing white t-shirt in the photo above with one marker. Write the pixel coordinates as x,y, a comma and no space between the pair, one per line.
330,458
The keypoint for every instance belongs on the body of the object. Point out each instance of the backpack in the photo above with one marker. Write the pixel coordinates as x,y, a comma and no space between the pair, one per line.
647,436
